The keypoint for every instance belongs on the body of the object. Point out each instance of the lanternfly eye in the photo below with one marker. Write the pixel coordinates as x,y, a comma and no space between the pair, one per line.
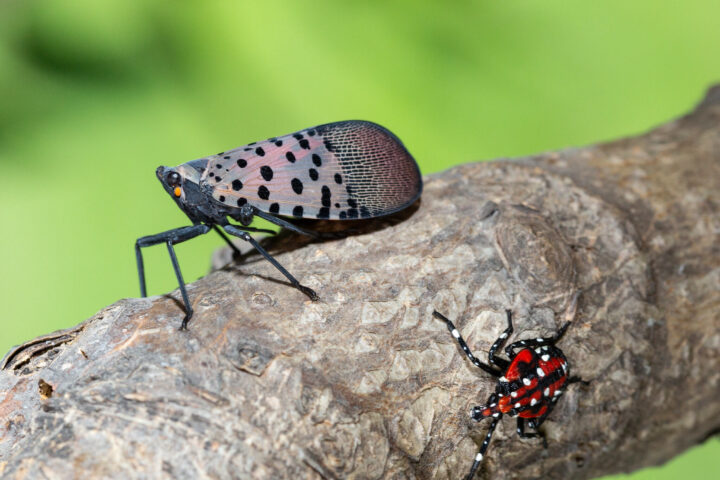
173,179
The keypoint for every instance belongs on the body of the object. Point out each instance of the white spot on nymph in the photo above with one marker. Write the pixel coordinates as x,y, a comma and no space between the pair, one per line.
478,457
513,394
533,402
500,395
540,372
539,340
537,350
564,367
545,357
492,405
502,379
558,393
546,392
496,415
455,333
517,405
545,347
526,381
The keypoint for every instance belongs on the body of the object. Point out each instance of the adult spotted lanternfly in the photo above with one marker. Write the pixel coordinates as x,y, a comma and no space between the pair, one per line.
528,385
338,171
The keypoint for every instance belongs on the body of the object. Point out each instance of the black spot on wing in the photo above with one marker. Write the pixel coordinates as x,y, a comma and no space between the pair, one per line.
237,185
263,192
298,211
266,172
325,199
296,185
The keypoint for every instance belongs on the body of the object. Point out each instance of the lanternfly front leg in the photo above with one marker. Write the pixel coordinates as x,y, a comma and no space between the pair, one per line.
501,362
456,333
238,232
170,238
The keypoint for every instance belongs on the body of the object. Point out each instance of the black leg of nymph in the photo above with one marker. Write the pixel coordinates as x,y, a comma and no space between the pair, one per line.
483,449
170,237
456,333
536,342
501,362
238,232
578,380
523,434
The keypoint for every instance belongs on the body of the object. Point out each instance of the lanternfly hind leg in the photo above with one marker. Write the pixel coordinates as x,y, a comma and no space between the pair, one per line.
170,237
456,333
238,232
501,362
303,231
483,449
236,251
523,434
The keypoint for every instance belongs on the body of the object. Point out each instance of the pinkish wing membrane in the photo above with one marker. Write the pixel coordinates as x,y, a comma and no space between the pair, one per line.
343,170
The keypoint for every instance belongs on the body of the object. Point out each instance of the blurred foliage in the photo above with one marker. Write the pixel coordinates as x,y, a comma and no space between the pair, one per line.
95,95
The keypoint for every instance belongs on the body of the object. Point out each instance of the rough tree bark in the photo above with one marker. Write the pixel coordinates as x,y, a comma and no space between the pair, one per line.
365,383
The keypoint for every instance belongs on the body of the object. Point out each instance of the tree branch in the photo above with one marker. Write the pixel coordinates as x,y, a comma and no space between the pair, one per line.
365,383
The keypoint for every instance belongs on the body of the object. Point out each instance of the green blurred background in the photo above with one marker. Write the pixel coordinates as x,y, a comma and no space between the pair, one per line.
96,94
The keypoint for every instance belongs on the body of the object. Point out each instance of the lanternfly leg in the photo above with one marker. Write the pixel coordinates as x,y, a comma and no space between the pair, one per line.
501,362
181,282
170,237
483,449
302,231
236,251
523,434
510,349
578,380
238,232
456,333
285,224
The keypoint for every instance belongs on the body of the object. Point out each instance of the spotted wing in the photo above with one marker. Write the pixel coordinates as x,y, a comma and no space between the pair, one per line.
342,170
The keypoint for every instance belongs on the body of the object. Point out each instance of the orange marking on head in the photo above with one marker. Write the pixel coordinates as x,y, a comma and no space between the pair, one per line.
177,191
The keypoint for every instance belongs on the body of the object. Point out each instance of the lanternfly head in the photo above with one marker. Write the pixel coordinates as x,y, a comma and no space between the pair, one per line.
178,180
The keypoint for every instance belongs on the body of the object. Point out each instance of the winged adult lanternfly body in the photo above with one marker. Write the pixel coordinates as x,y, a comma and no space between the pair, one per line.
338,171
